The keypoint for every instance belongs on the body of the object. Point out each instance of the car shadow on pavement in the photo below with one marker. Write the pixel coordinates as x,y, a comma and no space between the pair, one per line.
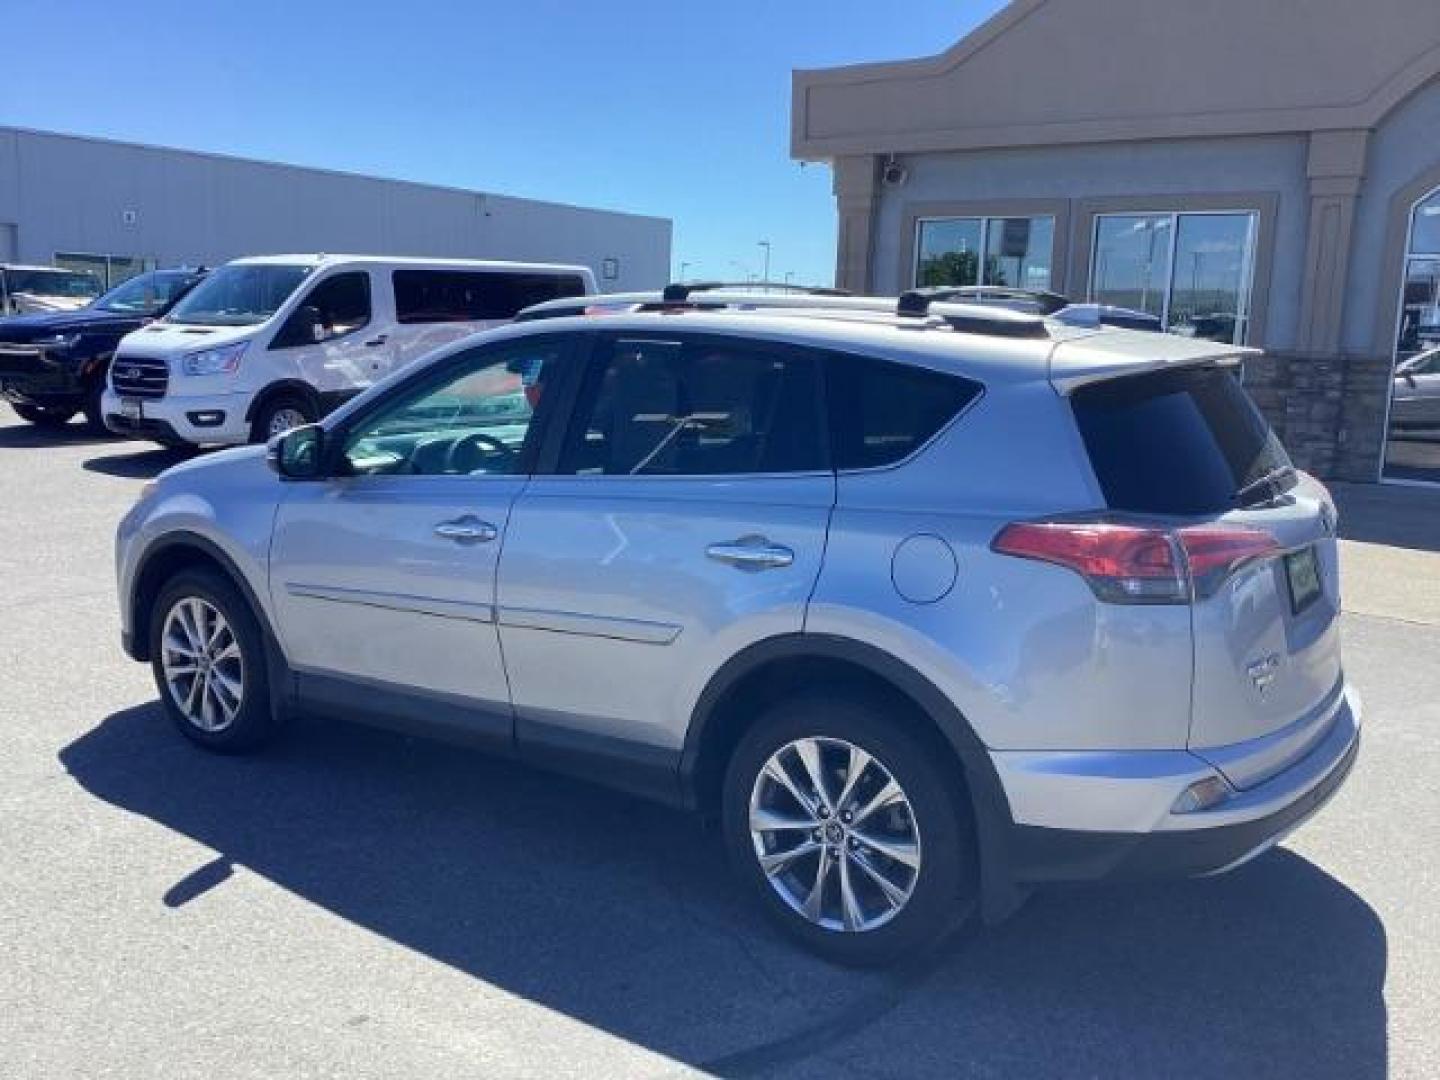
23,436
620,914
141,465
1397,516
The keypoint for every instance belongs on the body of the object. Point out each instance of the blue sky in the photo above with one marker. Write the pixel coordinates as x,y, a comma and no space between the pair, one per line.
662,108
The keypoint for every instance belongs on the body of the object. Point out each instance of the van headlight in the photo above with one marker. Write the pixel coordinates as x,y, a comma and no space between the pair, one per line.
224,360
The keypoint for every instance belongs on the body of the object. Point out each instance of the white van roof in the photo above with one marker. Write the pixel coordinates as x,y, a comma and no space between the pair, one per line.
327,260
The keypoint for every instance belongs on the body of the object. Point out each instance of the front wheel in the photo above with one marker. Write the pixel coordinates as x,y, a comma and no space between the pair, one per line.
849,829
278,415
208,657
45,416
94,410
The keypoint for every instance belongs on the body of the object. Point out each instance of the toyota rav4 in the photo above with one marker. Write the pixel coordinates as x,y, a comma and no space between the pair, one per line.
926,609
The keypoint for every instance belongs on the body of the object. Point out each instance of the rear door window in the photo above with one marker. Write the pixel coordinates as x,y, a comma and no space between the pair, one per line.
1176,442
431,296
882,411
697,407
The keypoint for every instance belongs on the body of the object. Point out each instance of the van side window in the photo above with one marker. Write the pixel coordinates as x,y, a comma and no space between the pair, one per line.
338,305
697,408
881,412
429,296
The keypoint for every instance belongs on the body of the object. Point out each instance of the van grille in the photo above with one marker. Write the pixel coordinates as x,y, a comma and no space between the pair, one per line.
140,377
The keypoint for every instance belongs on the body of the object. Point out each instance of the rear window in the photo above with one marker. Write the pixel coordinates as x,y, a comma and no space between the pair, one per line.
429,296
881,412
1177,442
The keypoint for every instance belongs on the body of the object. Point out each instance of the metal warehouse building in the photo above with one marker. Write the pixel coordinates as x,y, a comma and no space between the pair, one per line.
117,208
1258,172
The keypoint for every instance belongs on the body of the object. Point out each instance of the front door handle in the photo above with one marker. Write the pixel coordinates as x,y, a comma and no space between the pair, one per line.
468,529
377,341
751,553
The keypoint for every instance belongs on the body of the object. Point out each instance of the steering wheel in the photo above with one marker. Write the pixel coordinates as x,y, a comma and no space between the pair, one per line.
472,444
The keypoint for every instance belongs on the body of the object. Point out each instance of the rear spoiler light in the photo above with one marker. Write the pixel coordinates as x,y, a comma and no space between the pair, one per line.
1138,564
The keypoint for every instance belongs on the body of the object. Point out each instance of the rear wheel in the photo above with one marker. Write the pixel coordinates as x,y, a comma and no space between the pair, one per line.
46,416
208,657
278,415
849,830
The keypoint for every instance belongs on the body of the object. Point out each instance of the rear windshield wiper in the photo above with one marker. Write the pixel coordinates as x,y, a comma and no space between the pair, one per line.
1272,482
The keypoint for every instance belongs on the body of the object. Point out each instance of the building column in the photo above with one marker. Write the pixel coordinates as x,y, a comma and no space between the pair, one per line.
1336,169
856,185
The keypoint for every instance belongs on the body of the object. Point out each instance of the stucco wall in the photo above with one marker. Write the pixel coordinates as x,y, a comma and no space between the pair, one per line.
69,194
1075,173
1405,146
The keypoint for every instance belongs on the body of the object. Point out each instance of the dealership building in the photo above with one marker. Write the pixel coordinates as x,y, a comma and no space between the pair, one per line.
1267,174
117,208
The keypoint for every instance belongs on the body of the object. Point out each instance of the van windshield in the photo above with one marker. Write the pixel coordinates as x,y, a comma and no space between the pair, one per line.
243,295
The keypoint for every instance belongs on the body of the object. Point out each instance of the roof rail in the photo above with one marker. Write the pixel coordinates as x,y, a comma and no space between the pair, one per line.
1033,301
678,292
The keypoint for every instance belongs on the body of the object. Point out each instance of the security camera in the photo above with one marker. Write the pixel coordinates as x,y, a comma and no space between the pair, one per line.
894,174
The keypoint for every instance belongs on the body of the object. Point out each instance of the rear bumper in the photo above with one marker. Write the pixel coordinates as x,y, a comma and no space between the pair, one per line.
1109,815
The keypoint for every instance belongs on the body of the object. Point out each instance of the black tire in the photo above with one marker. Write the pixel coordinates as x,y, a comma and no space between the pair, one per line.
45,416
273,407
945,886
94,414
253,723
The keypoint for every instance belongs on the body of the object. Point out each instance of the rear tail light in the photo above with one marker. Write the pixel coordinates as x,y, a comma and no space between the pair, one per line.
1137,564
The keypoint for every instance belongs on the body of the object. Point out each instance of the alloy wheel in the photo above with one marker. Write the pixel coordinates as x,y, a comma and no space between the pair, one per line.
835,834
203,665
283,419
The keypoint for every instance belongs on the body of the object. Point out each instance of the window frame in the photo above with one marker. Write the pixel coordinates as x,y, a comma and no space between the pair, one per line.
986,219
1256,202
277,342
431,376
589,368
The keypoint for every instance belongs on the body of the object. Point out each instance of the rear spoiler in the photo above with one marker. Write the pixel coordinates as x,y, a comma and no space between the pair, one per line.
1116,354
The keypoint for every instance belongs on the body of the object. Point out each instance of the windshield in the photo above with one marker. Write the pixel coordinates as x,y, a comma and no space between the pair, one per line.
52,283
239,295
146,294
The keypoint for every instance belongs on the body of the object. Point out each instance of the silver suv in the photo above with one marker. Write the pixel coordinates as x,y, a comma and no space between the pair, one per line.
928,609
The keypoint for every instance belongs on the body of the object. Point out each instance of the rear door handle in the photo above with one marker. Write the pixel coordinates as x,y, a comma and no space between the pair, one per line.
468,529
751,553
377,341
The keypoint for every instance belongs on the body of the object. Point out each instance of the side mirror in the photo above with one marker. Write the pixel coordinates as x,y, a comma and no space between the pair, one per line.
305,326
298,454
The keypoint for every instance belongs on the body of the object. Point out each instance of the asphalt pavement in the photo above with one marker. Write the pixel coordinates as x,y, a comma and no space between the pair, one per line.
358,904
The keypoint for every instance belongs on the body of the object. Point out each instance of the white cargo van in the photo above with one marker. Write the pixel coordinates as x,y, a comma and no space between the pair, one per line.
268,343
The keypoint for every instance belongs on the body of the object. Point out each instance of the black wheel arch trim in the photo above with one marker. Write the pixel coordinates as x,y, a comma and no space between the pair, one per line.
286,386
137,642
994,822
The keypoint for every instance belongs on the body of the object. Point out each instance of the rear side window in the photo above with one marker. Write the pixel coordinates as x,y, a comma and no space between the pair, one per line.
697,408
429,296
1176,442
882,412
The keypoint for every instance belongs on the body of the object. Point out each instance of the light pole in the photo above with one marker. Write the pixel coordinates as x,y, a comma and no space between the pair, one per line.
789,276
684,266
766,275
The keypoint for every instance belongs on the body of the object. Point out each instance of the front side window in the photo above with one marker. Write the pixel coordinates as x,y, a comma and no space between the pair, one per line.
473,420
429,296
337,306
655,407
1002,251
1192,271
239,295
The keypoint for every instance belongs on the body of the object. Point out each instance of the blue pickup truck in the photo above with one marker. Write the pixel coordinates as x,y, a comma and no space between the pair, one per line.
54,365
